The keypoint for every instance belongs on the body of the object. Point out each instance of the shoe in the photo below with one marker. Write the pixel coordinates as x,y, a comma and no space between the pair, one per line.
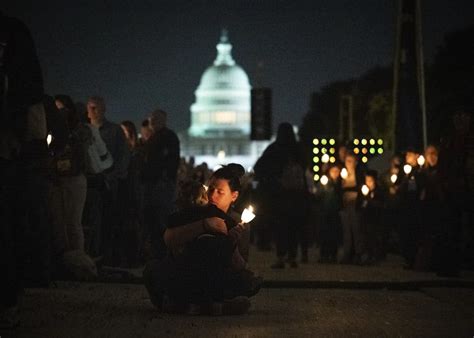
278,265
236,306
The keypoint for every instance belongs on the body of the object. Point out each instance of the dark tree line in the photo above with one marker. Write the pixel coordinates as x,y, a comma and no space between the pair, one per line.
449,86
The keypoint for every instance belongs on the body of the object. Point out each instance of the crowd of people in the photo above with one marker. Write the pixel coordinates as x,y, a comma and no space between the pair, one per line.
418,208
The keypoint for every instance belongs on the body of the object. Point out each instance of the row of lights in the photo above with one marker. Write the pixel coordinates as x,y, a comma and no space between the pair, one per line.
325,151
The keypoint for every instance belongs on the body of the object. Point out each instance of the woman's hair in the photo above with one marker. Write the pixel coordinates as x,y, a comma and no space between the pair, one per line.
72,115
233,173
132,130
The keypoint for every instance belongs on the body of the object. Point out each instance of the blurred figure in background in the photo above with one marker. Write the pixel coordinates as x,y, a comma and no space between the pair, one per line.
159,178
281,176
131,201
352,236
329,196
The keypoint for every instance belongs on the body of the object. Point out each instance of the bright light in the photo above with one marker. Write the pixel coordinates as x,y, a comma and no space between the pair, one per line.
372,150
324,150
316,177
372,141
316,150
325,158
393,178
332,142
205,187
316,168
221,155
247,215
365,190
420,160
344,173
332,159
49,138
332,151
380,151
407,169
315,141
217,167
316,159
356,142
324,141
324,180
379,141
364,159
356,151
364,142
364,151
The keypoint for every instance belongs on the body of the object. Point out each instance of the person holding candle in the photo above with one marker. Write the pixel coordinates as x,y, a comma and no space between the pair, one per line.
204,272
329,196
352,235
370,205
411,195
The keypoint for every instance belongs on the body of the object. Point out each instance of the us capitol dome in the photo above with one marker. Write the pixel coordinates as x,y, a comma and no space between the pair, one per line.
220,116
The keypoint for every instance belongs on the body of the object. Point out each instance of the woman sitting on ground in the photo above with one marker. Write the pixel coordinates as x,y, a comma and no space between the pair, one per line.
204,272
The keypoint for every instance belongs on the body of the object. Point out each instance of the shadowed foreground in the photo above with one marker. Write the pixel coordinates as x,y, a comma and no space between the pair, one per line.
120,310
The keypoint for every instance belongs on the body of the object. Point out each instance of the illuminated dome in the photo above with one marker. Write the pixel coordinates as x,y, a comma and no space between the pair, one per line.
222,106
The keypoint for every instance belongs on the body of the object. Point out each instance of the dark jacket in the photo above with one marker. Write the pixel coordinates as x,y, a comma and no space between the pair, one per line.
161,156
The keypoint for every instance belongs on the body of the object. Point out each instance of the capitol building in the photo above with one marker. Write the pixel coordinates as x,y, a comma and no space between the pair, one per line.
220,116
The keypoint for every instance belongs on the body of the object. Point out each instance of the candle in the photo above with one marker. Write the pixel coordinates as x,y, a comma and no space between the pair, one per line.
325,158
205,187
324,180
393,178
344,173
420,160
365,190
407,169
247,215
49,138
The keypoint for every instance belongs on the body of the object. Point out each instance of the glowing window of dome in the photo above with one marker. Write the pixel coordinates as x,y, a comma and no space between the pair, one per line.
225,117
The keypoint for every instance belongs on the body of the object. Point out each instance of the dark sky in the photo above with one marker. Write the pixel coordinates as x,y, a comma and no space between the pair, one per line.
141,55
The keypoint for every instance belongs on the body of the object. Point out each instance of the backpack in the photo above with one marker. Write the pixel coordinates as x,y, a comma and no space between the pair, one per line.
97,158
293,176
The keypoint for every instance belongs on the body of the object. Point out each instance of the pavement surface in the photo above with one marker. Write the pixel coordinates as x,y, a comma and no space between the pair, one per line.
75,309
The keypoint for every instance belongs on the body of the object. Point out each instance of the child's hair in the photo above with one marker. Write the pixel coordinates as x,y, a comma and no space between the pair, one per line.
232,172
191,193
372,173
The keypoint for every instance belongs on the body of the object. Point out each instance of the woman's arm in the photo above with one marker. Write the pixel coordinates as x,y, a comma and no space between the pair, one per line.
177,237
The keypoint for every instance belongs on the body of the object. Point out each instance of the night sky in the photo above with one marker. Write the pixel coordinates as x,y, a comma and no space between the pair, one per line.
140,55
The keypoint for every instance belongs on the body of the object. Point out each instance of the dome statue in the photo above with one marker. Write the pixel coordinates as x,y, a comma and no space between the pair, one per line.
222,106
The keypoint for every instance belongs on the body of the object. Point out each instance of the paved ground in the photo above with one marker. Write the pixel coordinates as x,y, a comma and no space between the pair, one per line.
117,310
73,309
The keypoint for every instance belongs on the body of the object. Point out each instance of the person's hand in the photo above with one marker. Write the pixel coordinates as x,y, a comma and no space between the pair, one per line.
215,225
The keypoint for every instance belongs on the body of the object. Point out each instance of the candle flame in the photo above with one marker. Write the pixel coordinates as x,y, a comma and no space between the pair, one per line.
420,160
393,178
247,215
365,190
407,168
324,180
344,173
